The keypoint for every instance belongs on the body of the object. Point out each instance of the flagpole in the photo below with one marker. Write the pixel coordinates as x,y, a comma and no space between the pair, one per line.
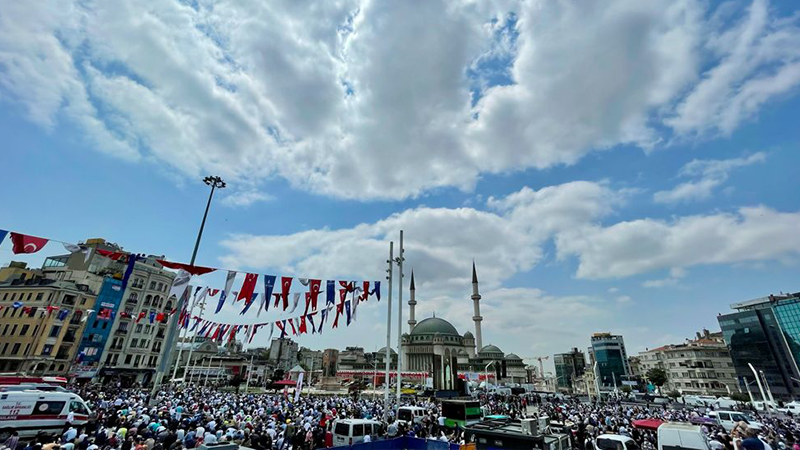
388,333
215,182
191,344
399,320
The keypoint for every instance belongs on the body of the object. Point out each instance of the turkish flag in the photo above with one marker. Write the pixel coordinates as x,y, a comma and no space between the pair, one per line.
27,244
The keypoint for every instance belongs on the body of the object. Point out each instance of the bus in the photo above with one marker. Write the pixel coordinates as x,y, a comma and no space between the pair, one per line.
461,412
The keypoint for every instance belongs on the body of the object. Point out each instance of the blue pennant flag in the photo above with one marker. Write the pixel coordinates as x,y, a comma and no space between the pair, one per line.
3,234
330,292
269,286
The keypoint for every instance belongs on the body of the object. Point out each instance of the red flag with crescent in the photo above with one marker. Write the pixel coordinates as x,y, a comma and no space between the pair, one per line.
27,244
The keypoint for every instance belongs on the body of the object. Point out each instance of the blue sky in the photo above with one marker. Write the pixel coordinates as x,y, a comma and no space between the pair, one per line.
622,168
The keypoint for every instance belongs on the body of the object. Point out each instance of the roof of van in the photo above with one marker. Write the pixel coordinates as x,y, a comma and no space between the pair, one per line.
33,392
413,408
357,421
615,437
679,426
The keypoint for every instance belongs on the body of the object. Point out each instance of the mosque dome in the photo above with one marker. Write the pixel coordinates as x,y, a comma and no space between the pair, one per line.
383,351
513,356
490,349
469,335
433,325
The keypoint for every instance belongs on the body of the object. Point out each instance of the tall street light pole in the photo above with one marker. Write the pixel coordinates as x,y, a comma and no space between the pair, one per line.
170,342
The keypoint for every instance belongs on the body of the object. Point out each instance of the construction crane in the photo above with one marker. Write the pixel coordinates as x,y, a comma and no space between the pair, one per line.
541,365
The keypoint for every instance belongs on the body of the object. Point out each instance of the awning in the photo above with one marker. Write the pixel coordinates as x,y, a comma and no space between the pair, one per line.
285,383
648,424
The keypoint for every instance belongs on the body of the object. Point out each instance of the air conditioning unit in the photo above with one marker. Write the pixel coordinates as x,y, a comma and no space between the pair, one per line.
544,422
530,427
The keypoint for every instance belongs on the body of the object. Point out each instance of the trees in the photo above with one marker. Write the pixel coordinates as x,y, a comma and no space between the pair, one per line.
740,397
657,376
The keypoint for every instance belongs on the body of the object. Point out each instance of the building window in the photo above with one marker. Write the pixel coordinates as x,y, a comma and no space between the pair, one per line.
105,324
138,360
30,294
128,359
134,343
24,330
83,300
39,295
15,348
152,285
55,331
5,330
5,347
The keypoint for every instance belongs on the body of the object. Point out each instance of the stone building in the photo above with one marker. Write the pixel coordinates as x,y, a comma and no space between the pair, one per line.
701,366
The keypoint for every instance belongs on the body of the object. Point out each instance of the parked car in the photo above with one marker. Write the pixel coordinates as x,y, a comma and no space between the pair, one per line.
729,419
614,442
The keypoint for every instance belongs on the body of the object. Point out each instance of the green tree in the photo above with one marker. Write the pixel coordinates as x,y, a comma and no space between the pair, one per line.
626,389
740,397
657,376
673,394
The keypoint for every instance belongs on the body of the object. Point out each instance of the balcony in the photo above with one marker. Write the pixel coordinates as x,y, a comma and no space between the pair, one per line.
69,337
121,331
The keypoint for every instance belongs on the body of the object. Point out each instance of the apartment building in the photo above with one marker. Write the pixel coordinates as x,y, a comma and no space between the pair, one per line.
702,366
41,321
134,345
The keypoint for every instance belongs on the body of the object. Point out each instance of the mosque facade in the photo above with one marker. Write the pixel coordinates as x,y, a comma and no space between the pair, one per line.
433,345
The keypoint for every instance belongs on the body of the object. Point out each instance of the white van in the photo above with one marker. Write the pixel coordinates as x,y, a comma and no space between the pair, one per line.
614,442
410,414
725,403
31,411
729,419
352,431
792,407
673,436
699,400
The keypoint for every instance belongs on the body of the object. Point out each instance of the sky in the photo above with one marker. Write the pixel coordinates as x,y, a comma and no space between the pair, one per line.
616,166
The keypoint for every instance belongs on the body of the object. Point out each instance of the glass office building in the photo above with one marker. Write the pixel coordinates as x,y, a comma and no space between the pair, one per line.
764,332
609,352
568,367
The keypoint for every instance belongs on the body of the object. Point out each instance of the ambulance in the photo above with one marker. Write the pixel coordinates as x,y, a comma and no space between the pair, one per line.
30,411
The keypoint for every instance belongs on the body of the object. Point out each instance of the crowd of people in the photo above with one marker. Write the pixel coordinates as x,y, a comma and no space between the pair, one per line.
186,417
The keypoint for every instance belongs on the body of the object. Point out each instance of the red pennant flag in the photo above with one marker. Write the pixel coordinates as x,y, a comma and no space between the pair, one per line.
281,324
26,244
216,333
365,295
302,328
232,336
194,270
50,309
248,287
339,310
26,310
160,317
116,256
140,316
286,285
294,330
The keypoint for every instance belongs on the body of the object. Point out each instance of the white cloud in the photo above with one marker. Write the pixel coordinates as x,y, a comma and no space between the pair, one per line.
645,245
675,274
441,243
757,60
245,198
624,299
364,99
708,174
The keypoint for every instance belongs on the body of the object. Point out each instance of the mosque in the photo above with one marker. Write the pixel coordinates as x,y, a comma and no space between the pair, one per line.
435,346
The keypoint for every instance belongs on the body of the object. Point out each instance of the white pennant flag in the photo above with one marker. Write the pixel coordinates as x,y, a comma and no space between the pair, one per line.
73,248
179,284
86,316
271,330
296,301
303,281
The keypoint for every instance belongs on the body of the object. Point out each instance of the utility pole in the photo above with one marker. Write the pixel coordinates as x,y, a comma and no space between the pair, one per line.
249,369
388,333
216,183
400,321
191,344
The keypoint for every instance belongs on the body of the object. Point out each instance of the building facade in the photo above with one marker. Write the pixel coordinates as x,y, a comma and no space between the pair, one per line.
41,323
569,366
98,328
701,366
763,335
608,351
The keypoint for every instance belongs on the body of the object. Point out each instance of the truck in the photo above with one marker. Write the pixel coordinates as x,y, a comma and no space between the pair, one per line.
461,412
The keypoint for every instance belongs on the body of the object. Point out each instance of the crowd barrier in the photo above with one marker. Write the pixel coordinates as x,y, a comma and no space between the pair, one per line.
404,443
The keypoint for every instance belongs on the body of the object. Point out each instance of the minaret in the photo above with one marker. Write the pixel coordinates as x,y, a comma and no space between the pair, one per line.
476,299
412,302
